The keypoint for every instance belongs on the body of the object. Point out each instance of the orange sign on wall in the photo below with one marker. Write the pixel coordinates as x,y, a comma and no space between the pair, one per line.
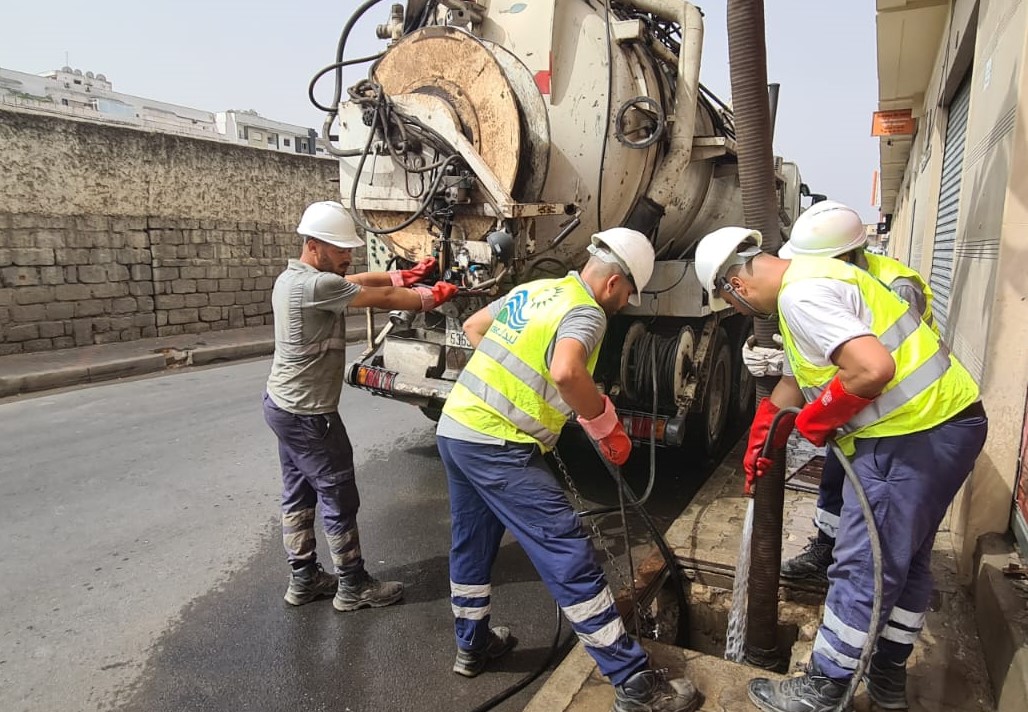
893,123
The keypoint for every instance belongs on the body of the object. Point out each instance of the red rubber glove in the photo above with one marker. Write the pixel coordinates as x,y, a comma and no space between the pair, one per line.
440,293
608,433
752,463
829,411
410,277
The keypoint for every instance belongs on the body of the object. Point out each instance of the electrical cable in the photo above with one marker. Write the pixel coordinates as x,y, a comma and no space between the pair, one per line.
876,558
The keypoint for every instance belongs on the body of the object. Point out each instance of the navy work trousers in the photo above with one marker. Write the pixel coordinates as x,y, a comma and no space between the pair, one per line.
829,495
317,466
910,481
498,487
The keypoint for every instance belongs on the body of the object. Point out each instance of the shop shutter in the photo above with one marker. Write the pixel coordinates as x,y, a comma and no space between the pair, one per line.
941,276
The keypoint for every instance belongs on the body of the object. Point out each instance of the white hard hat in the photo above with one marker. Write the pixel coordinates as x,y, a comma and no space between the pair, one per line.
630,250
329,222
825,229
718,252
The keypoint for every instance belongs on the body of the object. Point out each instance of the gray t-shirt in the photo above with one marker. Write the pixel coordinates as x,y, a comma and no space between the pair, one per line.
910,292
310,339
584,324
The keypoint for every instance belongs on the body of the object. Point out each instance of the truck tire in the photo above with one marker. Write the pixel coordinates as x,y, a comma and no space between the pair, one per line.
744,385
717,404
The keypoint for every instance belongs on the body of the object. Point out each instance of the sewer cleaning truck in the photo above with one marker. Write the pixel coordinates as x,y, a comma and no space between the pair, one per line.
498,136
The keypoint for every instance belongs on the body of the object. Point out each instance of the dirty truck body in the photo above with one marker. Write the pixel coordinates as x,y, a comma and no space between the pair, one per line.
499,136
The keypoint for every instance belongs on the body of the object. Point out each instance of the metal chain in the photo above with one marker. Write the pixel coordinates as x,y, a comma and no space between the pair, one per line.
644,619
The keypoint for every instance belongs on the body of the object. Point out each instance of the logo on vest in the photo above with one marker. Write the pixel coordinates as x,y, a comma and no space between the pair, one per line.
518,309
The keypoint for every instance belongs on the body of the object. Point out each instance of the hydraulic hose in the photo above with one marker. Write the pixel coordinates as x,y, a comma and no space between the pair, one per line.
876,558
682,632
527,680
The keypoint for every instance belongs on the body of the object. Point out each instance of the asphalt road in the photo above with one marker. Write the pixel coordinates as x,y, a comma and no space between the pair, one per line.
142,566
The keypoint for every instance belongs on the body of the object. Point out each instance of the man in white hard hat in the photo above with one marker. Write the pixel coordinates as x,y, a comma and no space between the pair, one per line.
873,375
532,367
301,402
831,229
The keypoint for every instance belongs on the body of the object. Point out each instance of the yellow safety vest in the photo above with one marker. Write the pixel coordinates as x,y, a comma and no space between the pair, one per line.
888,270
506,390
929,386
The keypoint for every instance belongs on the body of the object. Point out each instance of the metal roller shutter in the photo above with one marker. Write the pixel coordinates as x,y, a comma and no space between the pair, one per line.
941,276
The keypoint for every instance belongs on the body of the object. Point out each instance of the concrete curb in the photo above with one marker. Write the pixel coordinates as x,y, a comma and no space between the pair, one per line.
98,369
1000,612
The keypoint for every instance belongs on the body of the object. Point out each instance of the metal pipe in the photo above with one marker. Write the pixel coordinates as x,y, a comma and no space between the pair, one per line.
772,96
666,181
748,65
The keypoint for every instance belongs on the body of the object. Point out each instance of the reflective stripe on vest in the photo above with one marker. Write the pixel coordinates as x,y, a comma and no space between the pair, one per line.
506,390
888,270
929,384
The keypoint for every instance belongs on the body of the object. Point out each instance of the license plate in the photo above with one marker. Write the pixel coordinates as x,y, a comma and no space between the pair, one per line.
457,339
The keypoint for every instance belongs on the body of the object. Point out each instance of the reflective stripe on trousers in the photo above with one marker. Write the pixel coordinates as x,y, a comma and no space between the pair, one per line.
910,481
494,488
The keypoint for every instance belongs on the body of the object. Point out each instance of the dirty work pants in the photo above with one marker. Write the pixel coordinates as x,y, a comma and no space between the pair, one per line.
910,481
317,466
497,487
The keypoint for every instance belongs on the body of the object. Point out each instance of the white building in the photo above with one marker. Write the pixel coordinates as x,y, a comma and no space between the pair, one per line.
251,128
91,96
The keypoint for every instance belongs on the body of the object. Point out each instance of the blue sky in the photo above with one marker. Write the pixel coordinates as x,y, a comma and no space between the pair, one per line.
260,55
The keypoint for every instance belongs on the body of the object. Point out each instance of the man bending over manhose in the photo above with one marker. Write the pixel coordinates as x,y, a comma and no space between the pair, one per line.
870,373
830,229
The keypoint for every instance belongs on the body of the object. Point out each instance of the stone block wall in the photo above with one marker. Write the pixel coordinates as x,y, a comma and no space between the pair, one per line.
112,234
82,280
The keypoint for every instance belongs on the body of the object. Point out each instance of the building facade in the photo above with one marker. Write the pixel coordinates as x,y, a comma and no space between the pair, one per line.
91,96
954,191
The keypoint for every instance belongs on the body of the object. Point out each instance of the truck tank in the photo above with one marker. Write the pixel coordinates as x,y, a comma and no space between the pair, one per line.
499,136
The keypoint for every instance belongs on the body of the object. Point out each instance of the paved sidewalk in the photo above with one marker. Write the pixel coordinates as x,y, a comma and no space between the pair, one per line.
26,373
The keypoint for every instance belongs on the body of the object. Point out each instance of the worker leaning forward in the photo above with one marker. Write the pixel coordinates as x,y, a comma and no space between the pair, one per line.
309,300
830,229
876,377
535,353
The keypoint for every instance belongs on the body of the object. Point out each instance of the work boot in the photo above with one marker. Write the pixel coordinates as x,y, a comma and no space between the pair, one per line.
309,584
887,683
650,691
470,663
810,692
812,565
360,590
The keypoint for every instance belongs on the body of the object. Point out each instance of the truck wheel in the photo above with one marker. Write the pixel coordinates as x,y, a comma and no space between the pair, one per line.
717,394
744,387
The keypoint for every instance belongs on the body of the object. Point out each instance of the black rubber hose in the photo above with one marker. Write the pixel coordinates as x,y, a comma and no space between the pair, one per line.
335,66
528,679
876,559
682,632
